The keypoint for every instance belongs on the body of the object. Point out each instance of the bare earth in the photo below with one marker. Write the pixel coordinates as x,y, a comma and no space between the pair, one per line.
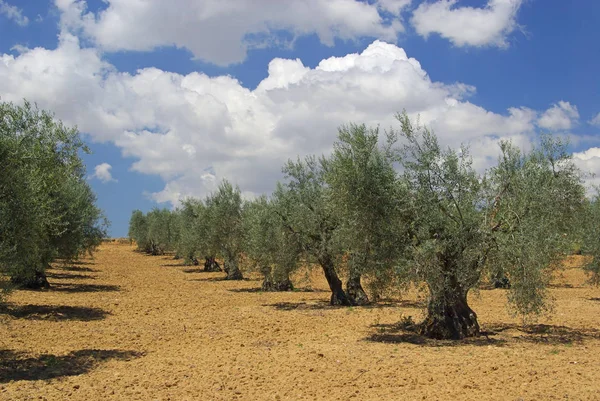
127,326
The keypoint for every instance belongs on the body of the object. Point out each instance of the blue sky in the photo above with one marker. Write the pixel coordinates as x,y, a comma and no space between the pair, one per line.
174,96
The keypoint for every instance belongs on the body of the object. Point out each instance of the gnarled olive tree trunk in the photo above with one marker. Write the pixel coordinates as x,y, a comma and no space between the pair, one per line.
231,268
33,280
449,316
338,296
211,265
354,289
276,279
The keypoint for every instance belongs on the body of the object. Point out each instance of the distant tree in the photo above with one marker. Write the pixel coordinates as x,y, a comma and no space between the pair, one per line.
304,210
517,218
269,245
590,237
47,209
225,229
163,230
138,231
365,193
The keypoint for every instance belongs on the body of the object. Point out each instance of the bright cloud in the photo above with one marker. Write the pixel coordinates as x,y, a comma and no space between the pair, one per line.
561,116
102,172
13,13
240,25
193,130
468,26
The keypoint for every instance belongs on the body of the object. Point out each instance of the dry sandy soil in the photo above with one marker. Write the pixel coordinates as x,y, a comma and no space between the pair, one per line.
127,326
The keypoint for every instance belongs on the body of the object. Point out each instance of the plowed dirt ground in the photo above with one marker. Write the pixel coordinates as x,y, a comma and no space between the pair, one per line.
126,326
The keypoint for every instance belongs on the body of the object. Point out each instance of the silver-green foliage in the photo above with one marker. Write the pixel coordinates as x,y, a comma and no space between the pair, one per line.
272,247
518,217
369,200
226,232
47,209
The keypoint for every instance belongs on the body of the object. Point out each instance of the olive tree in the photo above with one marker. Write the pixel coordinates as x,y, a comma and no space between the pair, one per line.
138,231
369,200
163,230
194,238
517,218
47,209
225,233
590,237
304,210
272,248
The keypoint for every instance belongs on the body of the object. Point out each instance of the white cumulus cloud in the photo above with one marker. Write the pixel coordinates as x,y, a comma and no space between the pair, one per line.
468,26
239,25
193,130
13,13
561,116
102,172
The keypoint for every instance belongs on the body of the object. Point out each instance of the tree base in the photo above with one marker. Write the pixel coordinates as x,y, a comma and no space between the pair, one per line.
234,275
356,293
36,282
450,323
273,286
211,265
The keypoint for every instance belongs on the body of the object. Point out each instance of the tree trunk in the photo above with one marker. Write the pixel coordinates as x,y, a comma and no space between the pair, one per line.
231,268
275,281
338,296
449,317
211,265
33,281
354,290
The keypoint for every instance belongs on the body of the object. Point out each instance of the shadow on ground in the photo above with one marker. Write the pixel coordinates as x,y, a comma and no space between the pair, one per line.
21,366
494,334
288,306
260,290
75,288
221,279
77,268
53,313
69,276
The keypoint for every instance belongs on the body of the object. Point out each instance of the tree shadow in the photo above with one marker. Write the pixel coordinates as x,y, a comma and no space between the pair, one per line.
20,366
69,276
595,299
288,306
563,285
76,288
221,279
545,333
195,270
77,269
259,289
401,333
173,265
53,312
495,334
82,263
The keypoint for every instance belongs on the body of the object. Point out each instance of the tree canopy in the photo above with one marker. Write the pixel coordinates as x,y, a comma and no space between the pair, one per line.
47,209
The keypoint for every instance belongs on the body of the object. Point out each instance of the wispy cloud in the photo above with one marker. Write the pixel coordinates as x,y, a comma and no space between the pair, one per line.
13,13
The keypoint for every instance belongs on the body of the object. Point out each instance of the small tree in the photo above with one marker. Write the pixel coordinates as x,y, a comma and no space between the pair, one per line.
304,211
365,193
269,245
590,237
138,231
162,230
47,209
224,216
517,219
